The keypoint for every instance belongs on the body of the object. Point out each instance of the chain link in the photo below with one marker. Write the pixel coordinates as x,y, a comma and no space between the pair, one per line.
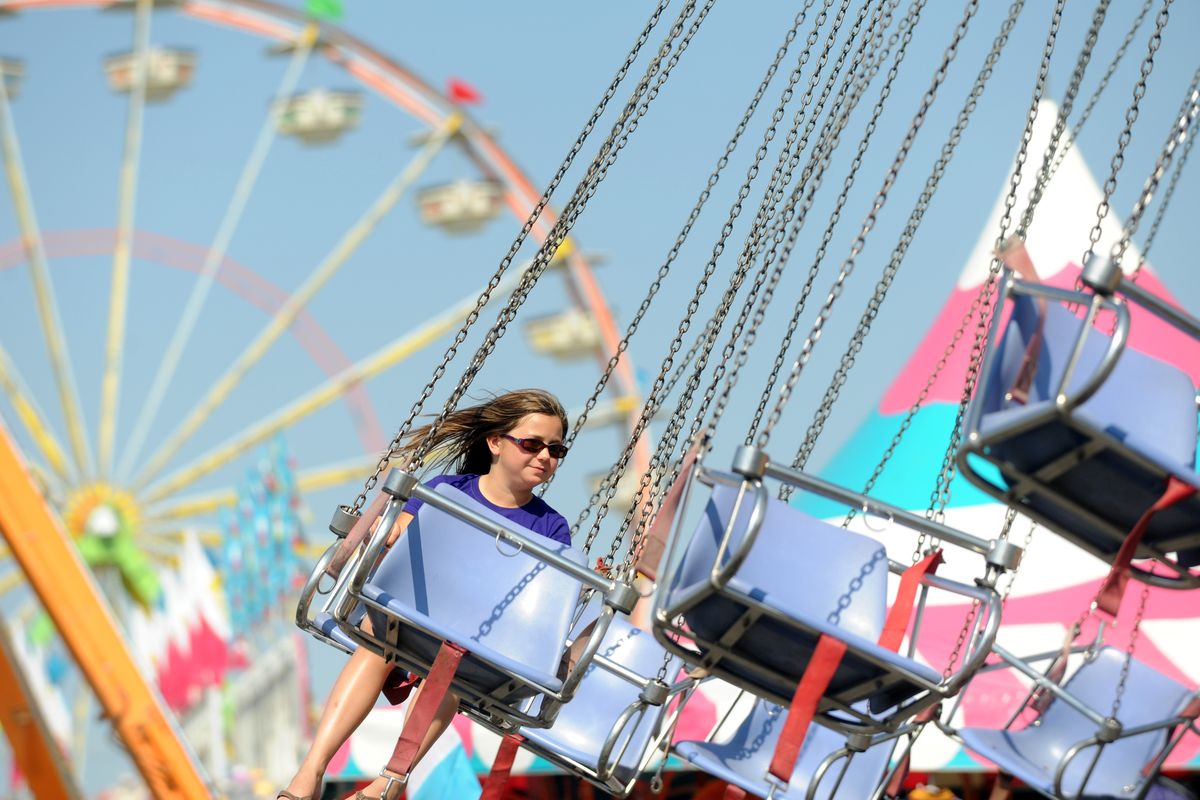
1134,632
709,269
868,224
1179,132
1131,115
526,229
754,247
614,474
1190,139
1108,73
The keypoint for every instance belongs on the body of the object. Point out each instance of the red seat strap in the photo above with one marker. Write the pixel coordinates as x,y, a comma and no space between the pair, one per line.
445,665
897,618
497,779
824,663
1108,598
399,685
356,535
733,792
809,691
1190,712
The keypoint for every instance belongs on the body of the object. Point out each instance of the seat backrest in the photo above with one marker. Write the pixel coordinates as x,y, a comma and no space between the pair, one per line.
799,564
751,748
453,573
1148,697
1144,398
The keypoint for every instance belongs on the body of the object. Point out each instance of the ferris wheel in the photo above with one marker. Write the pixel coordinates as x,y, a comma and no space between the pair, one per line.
231,222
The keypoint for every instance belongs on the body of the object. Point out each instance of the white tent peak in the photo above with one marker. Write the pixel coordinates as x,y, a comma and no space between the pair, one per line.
1064,218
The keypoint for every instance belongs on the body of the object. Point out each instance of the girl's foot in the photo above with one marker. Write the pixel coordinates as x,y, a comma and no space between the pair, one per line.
299,784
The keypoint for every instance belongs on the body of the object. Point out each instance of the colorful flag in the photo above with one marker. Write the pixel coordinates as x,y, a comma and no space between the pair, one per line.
323,9
462,92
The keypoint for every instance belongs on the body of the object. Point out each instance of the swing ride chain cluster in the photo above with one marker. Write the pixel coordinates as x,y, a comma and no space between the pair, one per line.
702,285
753,248
903,35
833,391
1060,121
1166,200
1131,115
1101,86
534,215
635,108
871,53
1179,132
940,496
868,224
789,222
664,270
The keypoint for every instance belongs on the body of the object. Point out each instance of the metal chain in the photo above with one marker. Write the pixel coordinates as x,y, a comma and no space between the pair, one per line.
1134,632
1060,123
917,214
526,229
754,246
866,63
1131,115
868,224
603,497
1179,132
940,496
672,254
1091,103
1166,199
718,249
635,108
904,34
789,222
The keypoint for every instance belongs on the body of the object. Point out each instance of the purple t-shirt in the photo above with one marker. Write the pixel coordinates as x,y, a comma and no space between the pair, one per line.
536,515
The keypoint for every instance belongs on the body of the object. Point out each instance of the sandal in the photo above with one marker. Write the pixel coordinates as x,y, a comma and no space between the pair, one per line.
316,795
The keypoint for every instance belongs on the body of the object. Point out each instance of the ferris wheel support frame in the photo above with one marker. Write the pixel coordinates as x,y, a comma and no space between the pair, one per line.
70,596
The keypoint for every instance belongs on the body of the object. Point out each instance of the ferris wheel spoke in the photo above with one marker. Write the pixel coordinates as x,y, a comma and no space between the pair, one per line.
216,253
323,395
52,330
21,401
284,317
126,200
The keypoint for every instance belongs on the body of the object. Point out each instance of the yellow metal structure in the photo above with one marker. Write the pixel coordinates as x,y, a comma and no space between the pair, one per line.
33,748
54,570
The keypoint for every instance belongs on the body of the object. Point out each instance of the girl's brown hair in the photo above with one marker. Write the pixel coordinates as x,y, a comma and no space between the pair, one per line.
461,439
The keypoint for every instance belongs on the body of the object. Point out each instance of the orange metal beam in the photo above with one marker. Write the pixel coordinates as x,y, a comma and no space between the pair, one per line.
55,571
34,749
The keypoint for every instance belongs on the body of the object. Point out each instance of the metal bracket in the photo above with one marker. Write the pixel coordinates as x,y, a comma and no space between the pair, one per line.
344,518
400,484
750,462
1101,274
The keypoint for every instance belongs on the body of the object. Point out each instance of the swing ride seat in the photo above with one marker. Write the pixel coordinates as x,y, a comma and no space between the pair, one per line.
745,759
1088,456
1053,753
608,733
761,581
511,611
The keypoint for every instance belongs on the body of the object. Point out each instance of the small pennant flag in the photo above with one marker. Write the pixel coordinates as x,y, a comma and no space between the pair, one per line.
460,91
323,9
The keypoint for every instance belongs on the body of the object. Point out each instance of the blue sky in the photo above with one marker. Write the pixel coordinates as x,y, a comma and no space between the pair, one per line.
540,67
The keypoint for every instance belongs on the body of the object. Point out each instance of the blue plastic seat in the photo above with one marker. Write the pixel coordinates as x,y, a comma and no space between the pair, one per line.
1089,472
745,759
1033,753
444,582
812,578
578,735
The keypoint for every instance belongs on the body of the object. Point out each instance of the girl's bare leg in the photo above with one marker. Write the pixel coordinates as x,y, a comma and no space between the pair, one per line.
441,720
352,697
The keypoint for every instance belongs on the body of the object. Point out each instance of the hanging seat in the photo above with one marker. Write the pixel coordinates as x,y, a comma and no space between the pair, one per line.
1070,752
611,730
506,605
762,586
1086,435
744,759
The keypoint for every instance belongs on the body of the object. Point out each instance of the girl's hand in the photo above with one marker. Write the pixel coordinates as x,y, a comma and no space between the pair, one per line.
397,528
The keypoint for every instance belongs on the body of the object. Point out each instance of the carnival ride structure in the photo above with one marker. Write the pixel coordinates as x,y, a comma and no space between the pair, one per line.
751,588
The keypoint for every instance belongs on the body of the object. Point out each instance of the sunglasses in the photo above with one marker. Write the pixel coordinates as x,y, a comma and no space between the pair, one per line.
535,446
